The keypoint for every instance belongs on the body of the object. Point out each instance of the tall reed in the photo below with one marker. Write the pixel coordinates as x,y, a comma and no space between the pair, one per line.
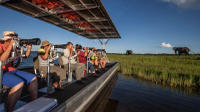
176,71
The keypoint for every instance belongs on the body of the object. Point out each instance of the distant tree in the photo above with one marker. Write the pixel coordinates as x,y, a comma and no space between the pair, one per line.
181,50
129,52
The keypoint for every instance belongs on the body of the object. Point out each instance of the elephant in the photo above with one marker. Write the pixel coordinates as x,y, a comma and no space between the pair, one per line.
181,50
129,52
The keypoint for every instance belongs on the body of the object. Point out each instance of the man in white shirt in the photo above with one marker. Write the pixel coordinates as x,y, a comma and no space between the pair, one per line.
68,57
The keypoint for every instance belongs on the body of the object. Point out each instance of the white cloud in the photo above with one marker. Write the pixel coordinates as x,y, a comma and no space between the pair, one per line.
167,45
194,4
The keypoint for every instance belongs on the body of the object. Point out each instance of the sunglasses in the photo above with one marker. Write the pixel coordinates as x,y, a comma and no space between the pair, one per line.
12,35
46,45
8,40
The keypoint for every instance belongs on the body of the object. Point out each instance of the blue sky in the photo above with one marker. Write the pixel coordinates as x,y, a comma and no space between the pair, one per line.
142,24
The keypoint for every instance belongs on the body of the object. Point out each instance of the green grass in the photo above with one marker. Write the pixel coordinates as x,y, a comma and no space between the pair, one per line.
176,71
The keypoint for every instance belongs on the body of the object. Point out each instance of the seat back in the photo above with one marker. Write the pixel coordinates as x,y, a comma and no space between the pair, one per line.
60,61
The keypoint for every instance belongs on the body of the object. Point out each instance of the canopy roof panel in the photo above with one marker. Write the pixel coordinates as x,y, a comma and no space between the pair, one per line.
87,18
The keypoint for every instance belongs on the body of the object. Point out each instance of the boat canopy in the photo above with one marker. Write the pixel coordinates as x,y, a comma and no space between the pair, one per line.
87,18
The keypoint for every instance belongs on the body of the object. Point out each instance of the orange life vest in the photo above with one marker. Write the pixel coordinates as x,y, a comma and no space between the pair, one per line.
8,66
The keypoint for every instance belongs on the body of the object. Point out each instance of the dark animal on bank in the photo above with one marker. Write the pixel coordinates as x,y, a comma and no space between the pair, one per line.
181,50
129,52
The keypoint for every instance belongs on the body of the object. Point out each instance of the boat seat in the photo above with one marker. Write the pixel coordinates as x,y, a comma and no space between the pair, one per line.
60,62
36,66
36,69
41,104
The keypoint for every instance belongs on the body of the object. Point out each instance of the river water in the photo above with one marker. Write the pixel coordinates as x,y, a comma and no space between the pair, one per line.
134,95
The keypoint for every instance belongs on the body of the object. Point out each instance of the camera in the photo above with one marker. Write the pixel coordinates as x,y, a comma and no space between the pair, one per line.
33,41
18,47
78,46
89,48
62,46
20,42
100,50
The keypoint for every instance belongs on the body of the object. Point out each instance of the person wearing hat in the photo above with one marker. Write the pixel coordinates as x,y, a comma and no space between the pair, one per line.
44,62
12,77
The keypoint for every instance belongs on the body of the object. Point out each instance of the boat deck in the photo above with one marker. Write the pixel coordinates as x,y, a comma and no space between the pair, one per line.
75,94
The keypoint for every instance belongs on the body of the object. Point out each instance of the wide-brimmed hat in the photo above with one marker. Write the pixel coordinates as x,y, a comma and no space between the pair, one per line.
45,43
8,35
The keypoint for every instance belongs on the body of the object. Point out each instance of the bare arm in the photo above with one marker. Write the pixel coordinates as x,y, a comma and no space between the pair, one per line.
86,51
5,54
71,52
29,47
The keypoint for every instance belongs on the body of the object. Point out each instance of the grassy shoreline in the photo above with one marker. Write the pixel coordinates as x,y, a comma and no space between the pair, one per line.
175,71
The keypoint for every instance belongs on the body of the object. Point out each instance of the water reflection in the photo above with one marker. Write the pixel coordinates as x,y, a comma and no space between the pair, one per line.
111,105
186,91
103,101
135,95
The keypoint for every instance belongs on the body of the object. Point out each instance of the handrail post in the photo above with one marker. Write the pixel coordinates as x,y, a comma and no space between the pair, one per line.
48,75
50,89
87,67
69,71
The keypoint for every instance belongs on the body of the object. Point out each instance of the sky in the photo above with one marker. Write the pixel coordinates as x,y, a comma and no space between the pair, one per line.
145,26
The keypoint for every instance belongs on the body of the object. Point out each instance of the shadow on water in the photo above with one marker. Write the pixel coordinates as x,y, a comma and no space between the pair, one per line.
131,94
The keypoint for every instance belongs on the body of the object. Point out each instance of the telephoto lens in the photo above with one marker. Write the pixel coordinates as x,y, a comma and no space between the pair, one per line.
62,46
102,50
33,41
88,48
91,48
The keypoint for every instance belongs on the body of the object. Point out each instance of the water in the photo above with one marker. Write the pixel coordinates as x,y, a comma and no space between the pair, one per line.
28,62
133,95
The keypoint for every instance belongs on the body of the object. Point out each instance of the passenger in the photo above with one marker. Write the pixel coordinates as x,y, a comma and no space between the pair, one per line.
101,59
77,67
44,62
93,58
13,78
82,57
74,59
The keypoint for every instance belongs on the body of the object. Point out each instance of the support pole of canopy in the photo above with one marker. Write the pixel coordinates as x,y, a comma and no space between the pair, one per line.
103,45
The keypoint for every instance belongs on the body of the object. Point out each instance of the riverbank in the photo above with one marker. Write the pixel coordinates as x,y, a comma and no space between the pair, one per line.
172,70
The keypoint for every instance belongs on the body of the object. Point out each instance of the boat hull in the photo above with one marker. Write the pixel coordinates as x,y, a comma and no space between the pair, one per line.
80,101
